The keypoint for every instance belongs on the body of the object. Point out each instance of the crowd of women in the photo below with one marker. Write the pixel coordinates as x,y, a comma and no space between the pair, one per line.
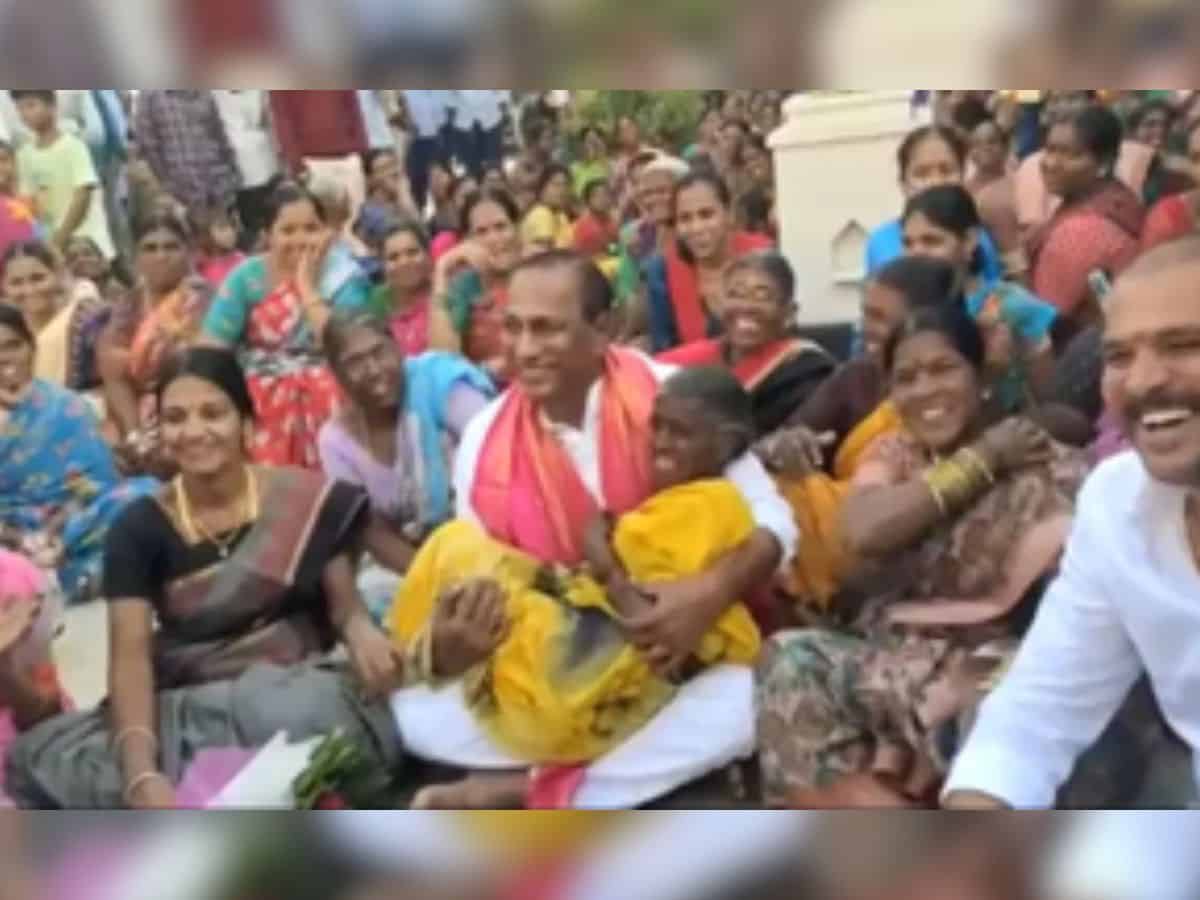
549,468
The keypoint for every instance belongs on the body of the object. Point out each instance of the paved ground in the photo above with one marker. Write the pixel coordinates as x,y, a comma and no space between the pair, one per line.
82,655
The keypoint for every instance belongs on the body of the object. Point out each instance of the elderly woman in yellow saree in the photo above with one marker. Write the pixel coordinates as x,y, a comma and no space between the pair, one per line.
160,316
568,680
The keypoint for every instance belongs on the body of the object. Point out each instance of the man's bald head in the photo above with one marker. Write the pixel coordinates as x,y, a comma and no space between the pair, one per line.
1182,252
1152,359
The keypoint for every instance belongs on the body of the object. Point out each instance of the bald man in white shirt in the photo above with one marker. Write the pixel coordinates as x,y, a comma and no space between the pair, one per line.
1127,600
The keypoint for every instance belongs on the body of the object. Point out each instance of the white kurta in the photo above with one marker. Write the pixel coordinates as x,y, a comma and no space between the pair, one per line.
708,725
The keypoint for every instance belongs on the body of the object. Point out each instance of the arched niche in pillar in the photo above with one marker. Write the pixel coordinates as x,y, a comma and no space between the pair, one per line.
847,251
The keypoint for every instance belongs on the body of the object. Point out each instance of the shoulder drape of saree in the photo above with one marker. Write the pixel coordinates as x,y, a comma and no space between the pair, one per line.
824,560
783,379
884,420
53,361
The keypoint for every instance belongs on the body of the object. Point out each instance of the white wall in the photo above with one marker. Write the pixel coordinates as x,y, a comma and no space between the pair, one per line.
835,170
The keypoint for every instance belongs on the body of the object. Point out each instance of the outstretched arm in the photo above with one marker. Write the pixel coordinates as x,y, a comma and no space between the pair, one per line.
1073,669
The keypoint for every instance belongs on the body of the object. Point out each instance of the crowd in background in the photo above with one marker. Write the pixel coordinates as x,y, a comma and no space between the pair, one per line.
495,397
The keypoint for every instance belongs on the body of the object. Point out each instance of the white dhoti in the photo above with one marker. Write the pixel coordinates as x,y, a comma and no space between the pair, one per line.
709,725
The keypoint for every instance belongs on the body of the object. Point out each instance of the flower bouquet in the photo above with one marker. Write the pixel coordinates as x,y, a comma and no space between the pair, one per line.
340,776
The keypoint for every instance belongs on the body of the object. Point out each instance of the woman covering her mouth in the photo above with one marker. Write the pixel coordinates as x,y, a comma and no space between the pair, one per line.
272,309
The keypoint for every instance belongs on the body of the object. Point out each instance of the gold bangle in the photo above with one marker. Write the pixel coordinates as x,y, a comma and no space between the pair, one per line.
936,493
139,780
954,485
967,485
129,732
973,459
418,659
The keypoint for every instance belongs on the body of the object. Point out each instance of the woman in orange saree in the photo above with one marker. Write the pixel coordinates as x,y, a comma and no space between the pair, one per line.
162,315
843,417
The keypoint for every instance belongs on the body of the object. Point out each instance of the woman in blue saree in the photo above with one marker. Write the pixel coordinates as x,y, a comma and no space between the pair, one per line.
59,487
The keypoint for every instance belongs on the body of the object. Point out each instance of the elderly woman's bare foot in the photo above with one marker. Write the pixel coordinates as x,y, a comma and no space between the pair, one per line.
491,791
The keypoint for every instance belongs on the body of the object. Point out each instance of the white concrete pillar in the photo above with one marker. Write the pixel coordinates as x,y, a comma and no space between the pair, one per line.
836,177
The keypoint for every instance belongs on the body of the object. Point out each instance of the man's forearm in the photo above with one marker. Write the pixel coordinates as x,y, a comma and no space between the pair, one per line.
747,569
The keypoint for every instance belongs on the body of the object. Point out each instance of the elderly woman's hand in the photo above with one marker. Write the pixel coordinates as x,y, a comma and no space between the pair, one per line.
1013,444
470,622
794,452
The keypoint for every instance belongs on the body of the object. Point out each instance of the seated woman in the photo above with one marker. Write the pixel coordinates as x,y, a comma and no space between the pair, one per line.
549,225
227,567
272,309
1151,125
653,176
597,231
943,222
29,688
1174,216
849,409
396,436
65,314
1097,227
928,156
816,453
405,299
59,487
462,187
962,520
684,283
569,680
475,297
993,188
160,316
758,316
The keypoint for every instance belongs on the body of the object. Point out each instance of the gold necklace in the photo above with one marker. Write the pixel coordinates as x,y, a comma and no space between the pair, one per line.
250,510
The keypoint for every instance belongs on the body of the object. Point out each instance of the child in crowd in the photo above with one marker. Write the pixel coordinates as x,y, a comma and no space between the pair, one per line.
565,682
217,239
56,170
86,261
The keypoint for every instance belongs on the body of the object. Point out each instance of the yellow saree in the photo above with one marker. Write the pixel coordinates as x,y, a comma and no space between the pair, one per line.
822,559
566,686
